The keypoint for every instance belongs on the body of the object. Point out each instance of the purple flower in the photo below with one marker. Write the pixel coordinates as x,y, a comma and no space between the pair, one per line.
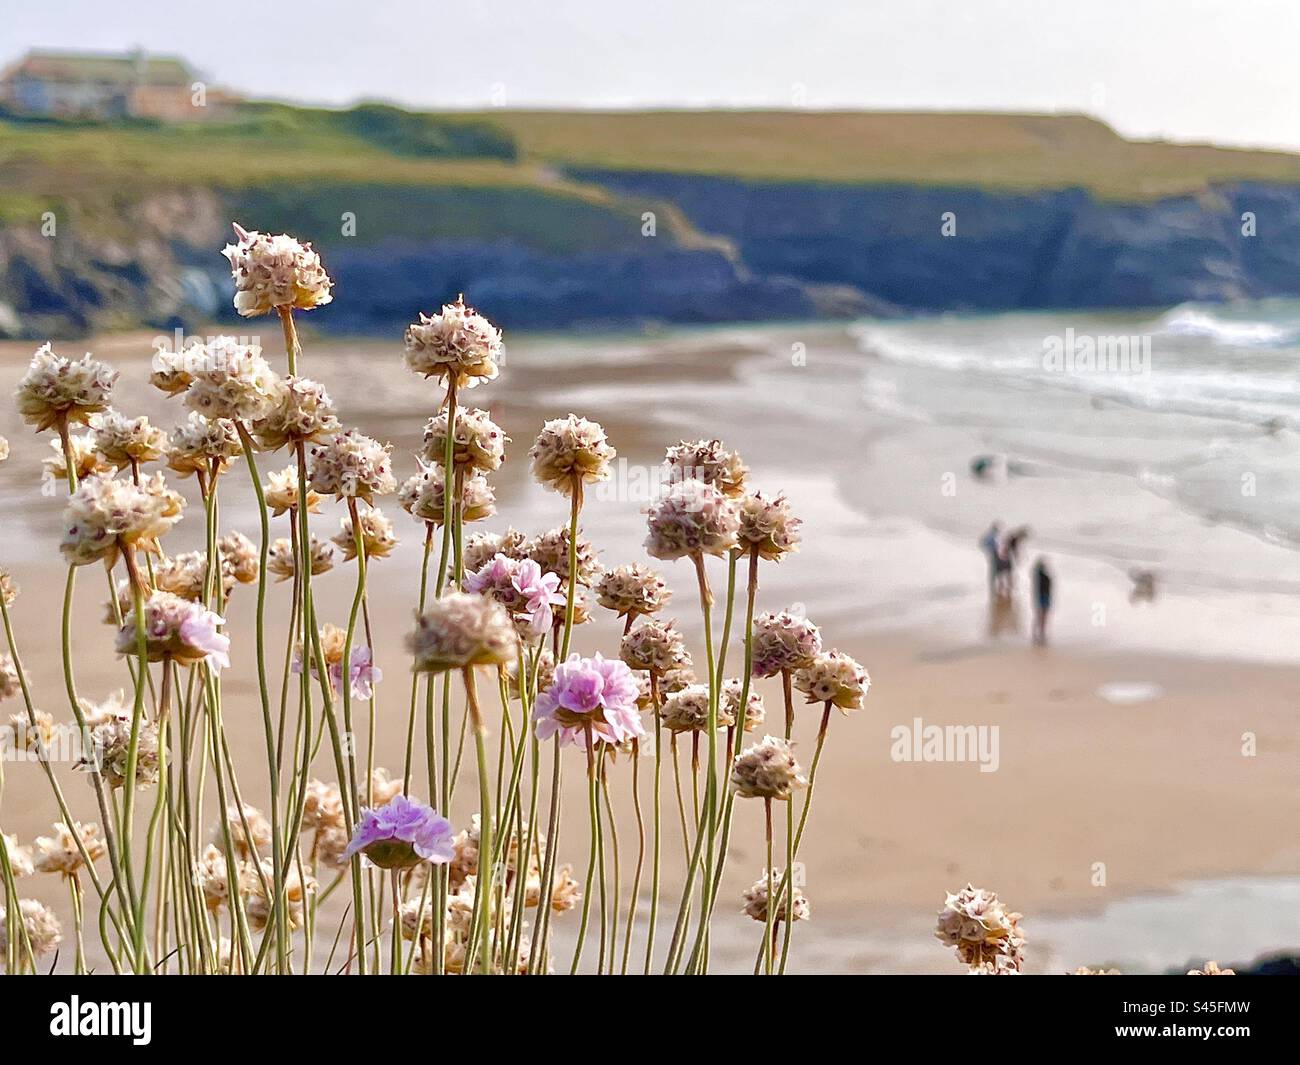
363,675
519,586
199,632
596,692
402,833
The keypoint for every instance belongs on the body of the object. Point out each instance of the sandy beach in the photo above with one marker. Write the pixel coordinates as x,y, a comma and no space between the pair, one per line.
1149,746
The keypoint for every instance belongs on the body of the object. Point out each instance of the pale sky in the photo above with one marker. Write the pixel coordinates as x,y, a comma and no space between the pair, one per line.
1192,70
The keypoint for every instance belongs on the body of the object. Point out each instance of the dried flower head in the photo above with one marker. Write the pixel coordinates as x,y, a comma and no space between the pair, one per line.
124,441
402,833
550,550
20,858
784,642
60,853
570,452
105,515
109,727
351,465
767,528
834,677
479,443
656,646
363,674
56,390
273,273
200,446
754,901
259,906
179,629
281,492
249,830
687,710
239,557
422,496
1211,969
169,370
280,562
230,380
729,711
767,770
8,587
461,630
376,533
692,518
987,938
39,923
301,411
545,675
632,591
458,345
29,736
482,547
85,458
707,461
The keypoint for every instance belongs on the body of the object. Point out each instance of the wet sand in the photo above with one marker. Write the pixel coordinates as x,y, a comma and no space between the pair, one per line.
1157,791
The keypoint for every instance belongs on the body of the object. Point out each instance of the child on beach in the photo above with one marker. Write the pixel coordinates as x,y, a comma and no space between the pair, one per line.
1042,593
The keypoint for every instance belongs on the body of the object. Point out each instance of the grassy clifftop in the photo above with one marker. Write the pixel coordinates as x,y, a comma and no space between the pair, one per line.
1010,151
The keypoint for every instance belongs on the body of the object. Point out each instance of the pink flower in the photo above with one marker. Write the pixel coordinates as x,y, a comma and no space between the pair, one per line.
521,587
597,692
540,591
363,675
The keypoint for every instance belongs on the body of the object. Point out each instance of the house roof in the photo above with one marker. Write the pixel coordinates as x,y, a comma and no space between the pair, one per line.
131,68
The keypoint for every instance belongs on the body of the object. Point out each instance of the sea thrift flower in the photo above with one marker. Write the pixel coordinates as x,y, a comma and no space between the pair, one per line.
301,412
755,712
170,372
767,528
124,441
1084,970
755,901
20,858
259,907
376,533
550,550
239,557
350,465
249,830
59,853
688,710
566,891
105,514
479,443
58,390
1211,969
482,547
422,497
363,674
230,380
281,493
521,587
9,686
401,834
632,590
200,444
462,630
693,518
707,461
8,587
322,806
570,451
545,675
280,562
274,273
656,646
767,770
784,642
27,737
178,629
597,693
40,924
987,938
459,345
835,678
109,726
4,449
85,458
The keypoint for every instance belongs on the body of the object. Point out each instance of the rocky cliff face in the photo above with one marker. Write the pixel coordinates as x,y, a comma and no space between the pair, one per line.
767,251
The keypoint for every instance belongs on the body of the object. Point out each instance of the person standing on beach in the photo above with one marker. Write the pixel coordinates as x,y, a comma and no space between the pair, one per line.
1042,592
991,545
